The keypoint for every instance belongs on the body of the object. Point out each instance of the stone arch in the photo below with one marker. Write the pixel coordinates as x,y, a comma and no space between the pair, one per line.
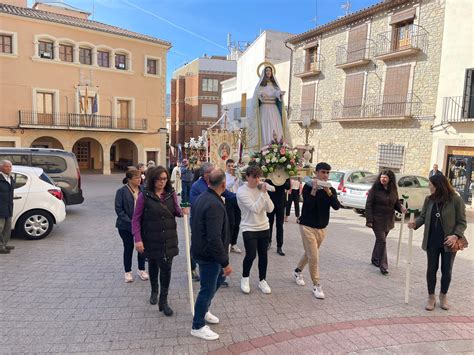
47,142
123,153
89,154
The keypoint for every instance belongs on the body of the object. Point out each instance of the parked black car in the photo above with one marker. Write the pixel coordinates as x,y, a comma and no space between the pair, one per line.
60,165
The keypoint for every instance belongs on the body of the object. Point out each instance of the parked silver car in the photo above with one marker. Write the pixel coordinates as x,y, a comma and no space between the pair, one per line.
339,178
354,195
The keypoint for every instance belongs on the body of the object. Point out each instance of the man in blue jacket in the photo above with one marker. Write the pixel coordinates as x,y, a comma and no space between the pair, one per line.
209,246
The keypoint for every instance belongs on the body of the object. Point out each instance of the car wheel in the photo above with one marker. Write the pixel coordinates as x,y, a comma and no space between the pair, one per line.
360,211
35,224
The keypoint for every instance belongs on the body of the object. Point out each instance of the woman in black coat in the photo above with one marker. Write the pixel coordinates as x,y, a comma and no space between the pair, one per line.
155,231
382,202
125,200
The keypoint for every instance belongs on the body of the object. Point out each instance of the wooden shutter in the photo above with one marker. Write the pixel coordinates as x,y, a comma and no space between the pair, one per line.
403,16
307,102
123,114
395,94
353,93
356,43
44,106
468,99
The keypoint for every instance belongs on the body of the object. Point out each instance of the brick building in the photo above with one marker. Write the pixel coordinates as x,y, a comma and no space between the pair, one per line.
196,96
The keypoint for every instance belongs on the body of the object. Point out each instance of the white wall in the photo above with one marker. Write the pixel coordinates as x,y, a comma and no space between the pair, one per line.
219,65
457,56
269,46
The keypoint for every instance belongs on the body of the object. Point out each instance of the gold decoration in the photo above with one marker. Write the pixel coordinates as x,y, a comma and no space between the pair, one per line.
265,64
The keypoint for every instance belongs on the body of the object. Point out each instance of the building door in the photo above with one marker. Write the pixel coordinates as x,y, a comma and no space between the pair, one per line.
460,174
83,154
123,114
152,156
44,108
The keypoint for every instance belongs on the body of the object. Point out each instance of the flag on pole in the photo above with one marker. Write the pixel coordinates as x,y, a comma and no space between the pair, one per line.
81,102
180,153
86,102
94,104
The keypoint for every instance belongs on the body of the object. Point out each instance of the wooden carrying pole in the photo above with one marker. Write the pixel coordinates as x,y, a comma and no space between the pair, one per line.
410,252
188,262
402,222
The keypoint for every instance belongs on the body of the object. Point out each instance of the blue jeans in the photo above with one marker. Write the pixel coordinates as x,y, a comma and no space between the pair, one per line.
212,278
186,189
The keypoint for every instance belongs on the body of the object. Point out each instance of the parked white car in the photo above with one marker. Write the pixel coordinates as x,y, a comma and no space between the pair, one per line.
37,203
354,195
339,178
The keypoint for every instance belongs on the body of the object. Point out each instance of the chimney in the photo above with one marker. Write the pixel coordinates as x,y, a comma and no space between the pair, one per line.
19,3
61,9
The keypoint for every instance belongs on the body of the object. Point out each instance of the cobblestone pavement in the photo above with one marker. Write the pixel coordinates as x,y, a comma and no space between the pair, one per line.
66,294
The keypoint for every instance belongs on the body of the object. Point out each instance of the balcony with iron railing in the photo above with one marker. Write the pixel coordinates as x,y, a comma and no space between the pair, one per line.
305,114
80,121
377,107
353,54
458,109
304,68
401,42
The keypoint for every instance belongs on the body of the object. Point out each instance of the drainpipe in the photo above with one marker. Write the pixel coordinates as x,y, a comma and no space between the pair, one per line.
291,77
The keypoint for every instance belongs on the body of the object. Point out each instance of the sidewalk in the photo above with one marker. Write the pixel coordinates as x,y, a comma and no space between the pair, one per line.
66,294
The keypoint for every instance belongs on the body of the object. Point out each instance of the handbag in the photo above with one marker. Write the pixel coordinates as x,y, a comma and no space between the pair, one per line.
460,244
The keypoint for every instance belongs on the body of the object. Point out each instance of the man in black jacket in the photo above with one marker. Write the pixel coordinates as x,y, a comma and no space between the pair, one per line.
318,198
209,248
278,198
7,185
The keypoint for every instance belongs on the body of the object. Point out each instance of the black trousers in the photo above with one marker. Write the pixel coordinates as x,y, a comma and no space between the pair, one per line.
447,261
379,254
277,216
128,247
234,216
161,267
294,197
256,242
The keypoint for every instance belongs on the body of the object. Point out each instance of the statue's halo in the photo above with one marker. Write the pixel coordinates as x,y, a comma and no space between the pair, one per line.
265,64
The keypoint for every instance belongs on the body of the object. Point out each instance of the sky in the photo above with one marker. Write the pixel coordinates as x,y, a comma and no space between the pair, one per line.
197,27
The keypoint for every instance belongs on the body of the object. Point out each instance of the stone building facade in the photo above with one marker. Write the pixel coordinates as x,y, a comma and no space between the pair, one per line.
71,83
366,87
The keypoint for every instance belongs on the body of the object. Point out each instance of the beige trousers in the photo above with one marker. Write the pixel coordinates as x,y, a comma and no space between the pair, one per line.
312,239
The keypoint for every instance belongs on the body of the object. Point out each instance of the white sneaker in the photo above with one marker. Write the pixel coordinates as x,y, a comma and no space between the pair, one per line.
318,292
235,249
245,284
128,277
299,278
205,333
143,275
211,318
263,286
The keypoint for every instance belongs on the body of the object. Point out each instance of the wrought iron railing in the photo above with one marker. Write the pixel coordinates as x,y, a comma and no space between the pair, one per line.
80,120
458,109
401,38
305,114
378,106
301,66
353,52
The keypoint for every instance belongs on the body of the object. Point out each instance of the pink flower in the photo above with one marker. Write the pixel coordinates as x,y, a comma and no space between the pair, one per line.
292,161
282,151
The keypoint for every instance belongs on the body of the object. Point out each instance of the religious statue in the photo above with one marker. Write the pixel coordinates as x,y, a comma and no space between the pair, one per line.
268,115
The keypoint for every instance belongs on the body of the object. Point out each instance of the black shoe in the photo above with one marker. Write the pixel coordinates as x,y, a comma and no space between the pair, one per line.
154,298
225,284
384,271
9,247
4,251
375,264
165,308
280,252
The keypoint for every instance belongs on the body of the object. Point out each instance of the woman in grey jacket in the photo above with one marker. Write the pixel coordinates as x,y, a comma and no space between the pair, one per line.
444,217
125,200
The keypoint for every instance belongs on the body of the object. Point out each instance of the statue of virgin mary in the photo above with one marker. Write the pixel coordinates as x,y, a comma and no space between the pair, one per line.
268,115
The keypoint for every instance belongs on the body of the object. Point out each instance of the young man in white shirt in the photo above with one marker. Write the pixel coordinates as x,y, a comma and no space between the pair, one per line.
254,204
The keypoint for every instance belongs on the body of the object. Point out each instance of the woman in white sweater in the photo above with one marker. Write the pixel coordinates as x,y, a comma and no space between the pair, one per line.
254,204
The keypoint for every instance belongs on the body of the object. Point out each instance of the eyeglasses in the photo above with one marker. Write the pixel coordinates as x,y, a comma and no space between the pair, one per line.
163,178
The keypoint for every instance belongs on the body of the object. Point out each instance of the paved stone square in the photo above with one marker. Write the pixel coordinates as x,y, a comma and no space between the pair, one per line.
66,294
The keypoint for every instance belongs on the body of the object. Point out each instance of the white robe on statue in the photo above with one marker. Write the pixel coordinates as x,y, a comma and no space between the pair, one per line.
176,179
269,114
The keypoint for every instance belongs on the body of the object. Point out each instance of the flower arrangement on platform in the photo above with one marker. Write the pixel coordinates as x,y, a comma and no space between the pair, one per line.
277,154
195,150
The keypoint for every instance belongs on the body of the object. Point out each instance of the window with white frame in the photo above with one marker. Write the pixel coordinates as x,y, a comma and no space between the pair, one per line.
85,55
152,66
6,43
121,61
46,49
66,53
103,59
210,85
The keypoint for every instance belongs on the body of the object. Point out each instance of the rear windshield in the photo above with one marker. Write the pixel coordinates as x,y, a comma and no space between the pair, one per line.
336,176
16,159
369,179
46,178
49,163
